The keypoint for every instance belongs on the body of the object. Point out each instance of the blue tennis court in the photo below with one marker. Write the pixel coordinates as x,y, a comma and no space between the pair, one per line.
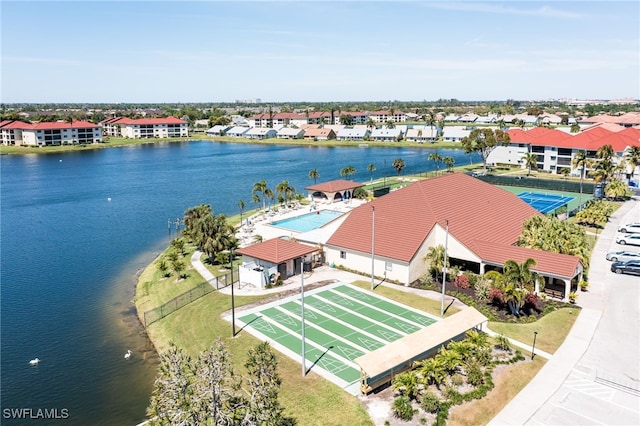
544,203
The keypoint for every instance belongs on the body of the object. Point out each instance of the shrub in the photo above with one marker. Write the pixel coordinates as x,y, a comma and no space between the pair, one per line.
532,301
496,296
461,281
475,376
482,288
402,408
457,379
430,402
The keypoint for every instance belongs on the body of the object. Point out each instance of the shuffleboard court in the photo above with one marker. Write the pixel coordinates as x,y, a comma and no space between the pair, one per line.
342,323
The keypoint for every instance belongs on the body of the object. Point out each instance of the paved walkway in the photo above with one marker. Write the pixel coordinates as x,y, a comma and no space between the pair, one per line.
593,377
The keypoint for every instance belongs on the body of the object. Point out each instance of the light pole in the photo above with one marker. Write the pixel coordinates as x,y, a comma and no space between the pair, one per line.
373,230
533,348
444,265
233,303
304,368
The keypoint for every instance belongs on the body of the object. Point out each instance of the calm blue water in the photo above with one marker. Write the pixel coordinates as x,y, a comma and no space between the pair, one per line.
69,256
307,222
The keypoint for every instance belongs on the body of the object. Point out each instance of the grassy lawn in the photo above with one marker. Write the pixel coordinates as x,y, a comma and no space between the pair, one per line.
511,380
552,329
311,400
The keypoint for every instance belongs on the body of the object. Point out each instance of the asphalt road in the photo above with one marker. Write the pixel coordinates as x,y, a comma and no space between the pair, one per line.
594,378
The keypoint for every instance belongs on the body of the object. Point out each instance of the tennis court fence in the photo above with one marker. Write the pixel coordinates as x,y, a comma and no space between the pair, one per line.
535,182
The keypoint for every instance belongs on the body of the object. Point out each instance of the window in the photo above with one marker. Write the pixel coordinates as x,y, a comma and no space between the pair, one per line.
388,266
343,254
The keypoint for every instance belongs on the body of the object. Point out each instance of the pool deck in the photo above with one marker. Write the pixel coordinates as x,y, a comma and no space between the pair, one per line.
260,223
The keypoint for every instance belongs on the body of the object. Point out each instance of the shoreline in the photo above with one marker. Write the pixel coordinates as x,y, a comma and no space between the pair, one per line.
122,142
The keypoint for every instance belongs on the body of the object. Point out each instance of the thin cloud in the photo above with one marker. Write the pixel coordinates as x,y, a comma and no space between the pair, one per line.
543,11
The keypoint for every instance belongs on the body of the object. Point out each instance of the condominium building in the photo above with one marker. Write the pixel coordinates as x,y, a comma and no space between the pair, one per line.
50,133
143,128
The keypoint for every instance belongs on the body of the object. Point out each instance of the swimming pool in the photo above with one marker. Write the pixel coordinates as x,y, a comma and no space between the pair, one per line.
307,222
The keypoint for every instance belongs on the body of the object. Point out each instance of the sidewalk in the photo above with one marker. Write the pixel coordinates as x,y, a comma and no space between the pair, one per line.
536,396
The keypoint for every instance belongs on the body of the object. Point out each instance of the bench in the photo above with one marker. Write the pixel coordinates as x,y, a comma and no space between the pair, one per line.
554,293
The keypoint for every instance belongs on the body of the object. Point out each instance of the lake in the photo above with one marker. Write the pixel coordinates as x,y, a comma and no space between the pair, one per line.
78,227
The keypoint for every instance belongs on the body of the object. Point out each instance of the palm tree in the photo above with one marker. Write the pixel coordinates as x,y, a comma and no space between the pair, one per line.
604,169
514,297
632,155
347,171
435,257
449,359
432,371
398,164
260,187
371,124
436,158
520,274
268,194
530,161
575,128
407,383
282,188
241,207
371,168
579,161
314,174
449,162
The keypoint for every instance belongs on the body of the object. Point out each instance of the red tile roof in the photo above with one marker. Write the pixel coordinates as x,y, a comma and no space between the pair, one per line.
547,263
476,211
484,218
319,132
334,186
14,124
165,120
61,125
589,140
277,250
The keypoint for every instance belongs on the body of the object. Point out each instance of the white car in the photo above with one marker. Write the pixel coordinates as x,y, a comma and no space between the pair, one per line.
630,228
631,239
623,255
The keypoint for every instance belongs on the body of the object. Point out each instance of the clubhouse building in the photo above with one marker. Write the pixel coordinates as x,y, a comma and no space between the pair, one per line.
479,223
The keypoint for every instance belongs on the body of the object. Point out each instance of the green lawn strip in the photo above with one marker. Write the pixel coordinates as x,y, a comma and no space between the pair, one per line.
425,304
354,320
351,334
369,312
154,290
385,305
552,329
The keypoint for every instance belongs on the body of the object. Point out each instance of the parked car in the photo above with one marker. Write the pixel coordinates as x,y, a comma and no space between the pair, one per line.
628,267
631,239
623,255
630,228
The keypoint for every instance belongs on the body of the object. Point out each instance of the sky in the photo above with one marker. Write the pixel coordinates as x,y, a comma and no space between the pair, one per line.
317,51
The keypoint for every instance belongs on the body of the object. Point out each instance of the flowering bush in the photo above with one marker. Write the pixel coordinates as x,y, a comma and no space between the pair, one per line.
461,281
496,296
